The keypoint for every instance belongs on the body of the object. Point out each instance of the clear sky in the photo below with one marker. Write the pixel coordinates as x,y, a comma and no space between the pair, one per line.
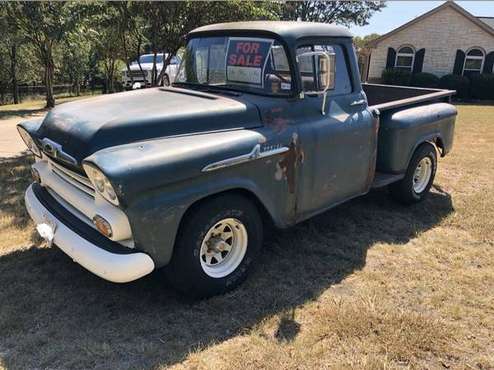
397,13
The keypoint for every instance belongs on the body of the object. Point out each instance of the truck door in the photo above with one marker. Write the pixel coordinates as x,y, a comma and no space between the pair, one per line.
339,146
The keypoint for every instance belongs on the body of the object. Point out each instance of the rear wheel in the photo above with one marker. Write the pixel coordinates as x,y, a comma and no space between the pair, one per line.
419,177
216,246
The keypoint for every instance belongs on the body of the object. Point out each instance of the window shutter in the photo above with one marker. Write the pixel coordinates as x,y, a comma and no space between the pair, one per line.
459,61
390,61
489,63
419,61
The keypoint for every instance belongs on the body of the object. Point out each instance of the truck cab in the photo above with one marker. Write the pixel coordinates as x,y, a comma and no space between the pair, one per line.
266,123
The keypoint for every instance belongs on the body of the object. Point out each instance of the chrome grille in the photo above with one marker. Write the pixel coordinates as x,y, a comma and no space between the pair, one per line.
73,178
137,74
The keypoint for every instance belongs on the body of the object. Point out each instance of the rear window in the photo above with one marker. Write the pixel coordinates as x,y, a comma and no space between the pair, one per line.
308,70
149,59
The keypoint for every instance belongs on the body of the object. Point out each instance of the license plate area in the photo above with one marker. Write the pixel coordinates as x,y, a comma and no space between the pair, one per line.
46,229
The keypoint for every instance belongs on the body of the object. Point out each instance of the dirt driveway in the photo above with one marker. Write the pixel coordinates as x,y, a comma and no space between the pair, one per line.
11,144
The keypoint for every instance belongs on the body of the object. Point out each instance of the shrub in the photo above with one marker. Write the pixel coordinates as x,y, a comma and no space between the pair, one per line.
396,76
482,86
456,82
424,79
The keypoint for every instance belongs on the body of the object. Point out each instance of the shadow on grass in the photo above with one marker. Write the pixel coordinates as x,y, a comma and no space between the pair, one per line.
4,114
15,176
55,314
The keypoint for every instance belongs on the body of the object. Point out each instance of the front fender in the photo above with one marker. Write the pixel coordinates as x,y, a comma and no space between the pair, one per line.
155,217
141,167
32,127
158,180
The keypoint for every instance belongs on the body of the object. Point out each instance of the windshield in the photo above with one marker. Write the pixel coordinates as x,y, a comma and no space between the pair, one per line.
240,63
148,58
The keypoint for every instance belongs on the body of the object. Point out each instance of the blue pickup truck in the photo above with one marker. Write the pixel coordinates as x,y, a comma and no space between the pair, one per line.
266,123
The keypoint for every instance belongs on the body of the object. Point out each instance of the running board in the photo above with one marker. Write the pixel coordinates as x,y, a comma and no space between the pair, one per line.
382,179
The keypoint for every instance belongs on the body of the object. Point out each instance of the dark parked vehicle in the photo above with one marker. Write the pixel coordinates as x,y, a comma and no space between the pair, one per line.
266,122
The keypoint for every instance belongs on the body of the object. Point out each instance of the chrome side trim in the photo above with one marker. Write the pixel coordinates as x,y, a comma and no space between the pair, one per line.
253,155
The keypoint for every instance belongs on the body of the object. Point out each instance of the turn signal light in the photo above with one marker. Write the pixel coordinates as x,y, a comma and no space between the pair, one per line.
103,226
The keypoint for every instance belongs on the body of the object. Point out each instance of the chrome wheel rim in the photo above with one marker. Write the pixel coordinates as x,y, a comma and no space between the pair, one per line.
223,248
422,175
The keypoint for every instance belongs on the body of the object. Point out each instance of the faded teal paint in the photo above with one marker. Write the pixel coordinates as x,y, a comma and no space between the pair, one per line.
153,144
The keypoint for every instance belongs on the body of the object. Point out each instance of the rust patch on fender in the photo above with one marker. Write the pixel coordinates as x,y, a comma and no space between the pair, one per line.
275,120
286,168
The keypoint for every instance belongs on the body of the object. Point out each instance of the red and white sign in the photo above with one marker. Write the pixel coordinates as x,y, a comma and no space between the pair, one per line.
246,59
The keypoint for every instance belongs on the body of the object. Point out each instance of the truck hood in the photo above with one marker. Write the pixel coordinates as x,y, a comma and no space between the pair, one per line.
145,67
86,126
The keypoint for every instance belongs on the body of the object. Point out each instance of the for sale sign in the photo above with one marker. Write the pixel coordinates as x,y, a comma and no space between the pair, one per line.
246,59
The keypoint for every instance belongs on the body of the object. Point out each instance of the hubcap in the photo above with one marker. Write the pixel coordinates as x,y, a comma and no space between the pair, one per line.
422,175
223,248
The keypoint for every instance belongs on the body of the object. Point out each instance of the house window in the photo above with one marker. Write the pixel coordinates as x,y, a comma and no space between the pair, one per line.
405,57
474,61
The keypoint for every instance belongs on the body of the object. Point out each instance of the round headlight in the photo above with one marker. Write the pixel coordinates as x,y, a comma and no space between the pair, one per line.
101,183
29,141
110,192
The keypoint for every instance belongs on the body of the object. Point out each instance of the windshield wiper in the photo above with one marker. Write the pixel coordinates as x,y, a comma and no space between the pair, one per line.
209,88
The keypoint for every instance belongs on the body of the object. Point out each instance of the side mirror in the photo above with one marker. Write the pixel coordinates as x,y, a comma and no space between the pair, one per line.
325,66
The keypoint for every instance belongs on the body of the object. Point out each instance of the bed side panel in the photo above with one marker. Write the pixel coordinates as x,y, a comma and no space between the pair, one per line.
402,131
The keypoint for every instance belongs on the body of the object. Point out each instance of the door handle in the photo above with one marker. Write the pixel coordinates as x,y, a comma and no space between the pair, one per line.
358,102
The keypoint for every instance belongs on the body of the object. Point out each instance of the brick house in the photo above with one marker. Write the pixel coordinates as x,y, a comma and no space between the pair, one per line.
445,40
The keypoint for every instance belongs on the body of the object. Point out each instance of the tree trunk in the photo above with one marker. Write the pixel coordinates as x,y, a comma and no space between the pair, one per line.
111,75
13,68
2,93
153,70
127,63
139,56
49,72
50,98
77,87
166,62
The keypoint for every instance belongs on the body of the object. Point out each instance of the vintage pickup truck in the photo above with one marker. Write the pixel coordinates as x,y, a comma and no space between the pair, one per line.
266,123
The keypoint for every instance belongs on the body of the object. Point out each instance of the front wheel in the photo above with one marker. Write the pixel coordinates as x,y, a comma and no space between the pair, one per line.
419,177
216,246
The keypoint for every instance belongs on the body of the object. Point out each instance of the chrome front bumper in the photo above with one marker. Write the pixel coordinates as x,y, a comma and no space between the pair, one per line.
115,267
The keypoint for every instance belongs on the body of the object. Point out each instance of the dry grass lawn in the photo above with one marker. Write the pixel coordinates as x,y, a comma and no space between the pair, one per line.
370,284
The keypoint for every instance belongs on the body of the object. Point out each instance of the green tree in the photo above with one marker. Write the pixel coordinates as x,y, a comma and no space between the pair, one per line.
169,22
17,62
131,26
361,42
76,50
341,12
11,42
45,24
4,74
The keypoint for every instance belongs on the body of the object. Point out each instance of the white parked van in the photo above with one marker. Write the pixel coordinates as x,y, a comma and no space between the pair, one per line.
143,78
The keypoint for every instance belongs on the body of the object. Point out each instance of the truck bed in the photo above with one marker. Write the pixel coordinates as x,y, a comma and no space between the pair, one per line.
386,97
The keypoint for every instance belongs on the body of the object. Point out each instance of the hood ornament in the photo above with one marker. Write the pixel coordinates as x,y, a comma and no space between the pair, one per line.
54,150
